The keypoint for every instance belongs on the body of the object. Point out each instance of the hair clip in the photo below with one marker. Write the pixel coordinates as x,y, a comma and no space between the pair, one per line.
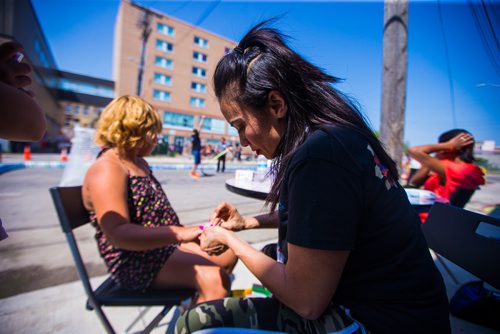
238,50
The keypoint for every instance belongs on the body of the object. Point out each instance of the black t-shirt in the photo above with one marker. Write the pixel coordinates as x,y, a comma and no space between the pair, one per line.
196,142
336,196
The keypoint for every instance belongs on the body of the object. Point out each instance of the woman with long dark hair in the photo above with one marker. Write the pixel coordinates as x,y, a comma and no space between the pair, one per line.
451,168
350,255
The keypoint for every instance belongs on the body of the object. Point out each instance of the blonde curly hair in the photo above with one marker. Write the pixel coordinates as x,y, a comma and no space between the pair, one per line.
127,123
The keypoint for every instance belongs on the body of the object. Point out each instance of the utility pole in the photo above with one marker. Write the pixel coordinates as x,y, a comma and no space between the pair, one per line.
143,24
394,77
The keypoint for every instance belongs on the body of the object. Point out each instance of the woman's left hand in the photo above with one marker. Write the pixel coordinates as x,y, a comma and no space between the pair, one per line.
213,240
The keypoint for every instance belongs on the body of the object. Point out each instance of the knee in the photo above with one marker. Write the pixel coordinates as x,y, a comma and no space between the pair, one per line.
214,279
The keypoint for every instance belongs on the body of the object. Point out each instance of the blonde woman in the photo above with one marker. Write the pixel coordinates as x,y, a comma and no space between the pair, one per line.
137,230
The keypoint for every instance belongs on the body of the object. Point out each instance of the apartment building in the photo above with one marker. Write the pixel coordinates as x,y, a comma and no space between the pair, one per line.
170,63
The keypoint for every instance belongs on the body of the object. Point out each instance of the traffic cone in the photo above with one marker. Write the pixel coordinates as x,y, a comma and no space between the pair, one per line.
27,153
64,155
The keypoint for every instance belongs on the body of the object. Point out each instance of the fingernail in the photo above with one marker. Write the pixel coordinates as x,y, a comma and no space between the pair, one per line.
19,57
201,227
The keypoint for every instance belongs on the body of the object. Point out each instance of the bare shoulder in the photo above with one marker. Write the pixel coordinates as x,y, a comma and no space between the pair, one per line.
105,175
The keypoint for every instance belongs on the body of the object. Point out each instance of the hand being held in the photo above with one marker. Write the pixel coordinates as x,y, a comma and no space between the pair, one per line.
231,218
460,141
213,241
191,233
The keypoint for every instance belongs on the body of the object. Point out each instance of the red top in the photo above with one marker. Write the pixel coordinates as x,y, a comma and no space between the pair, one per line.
458,175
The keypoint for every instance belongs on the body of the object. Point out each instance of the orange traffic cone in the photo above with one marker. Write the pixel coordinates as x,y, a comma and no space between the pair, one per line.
27,153
64,155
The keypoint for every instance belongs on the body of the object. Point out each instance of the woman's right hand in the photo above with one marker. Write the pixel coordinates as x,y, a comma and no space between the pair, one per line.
461,140
189,233
231,218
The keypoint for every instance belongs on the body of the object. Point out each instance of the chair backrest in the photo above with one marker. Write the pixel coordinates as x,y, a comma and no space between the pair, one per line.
69,207
468,239
461,196
72,214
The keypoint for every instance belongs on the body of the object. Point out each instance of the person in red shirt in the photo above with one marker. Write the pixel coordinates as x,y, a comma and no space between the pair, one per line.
452,166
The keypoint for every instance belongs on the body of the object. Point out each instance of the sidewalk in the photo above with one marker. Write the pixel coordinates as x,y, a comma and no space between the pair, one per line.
61,309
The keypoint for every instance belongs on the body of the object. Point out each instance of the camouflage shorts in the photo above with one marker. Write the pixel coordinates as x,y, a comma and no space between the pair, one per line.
262,313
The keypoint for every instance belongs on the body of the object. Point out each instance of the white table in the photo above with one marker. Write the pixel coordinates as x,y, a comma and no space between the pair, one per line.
421,199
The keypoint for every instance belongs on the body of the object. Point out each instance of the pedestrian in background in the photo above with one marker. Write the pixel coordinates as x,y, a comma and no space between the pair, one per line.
196,148
221,160
138,232
237,152
351,253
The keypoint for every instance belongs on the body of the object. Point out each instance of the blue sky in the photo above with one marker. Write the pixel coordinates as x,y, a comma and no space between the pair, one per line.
344,38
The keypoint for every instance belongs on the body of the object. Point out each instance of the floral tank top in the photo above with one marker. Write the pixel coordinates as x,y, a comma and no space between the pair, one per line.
148,206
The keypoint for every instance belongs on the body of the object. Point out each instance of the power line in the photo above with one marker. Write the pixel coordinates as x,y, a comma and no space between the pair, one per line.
448,66
491,26
492,55
202,18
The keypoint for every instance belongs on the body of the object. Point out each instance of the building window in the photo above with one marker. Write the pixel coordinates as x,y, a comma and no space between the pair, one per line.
201,42
164,62
165,29
198,87
199,72
164,46
200,57
162,95
67,109
163,79
85,110
178,120
76,110
83,87
214,125
197,102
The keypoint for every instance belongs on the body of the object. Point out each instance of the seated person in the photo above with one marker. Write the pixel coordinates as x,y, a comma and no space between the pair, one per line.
451,168
137,230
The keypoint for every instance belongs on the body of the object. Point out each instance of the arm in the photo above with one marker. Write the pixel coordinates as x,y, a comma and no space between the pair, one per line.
420,176
324,202
200,124
422,153
105,188
22,117
319,268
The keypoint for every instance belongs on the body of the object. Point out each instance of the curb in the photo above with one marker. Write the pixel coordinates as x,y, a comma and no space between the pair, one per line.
6,167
